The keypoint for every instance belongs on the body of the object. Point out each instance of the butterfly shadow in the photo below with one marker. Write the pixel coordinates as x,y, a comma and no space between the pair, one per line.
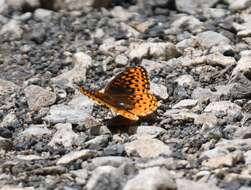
120,124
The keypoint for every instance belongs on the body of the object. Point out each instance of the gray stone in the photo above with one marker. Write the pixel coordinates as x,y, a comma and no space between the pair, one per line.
184,184
36,131
159,90
5,144
151,65
192,24
225,107
243,65
3,6
42,14
207,120
80,175
185,80
64,136
74,155
121,60
104,178
29,157
180,114
186,103
7,87
81,62
147,147
98,141
165,50
13,27
243,133
152,131
247,157
114,161
12,187
76,112
10,120
193,6
209,39
152,179
38,97
240,4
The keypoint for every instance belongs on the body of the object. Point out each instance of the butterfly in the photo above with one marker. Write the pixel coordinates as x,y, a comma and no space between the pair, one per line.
128,94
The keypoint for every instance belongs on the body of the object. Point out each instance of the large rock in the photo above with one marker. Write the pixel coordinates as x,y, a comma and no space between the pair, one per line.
154,178
38,97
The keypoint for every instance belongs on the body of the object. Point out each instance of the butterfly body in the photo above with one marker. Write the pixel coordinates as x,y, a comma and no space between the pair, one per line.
128,94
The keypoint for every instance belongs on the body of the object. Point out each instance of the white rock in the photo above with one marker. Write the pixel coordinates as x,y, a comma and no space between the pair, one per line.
152,179
74,155
147,147
247,157
104,175
193,6
64,136
185,80
225,107
243,65
150,65
9,120
206,120
184,184
80,175
42,14
13,27
81,62
159,90
76,112
153,49
38,97
240,4
36,131
192,24
114,161
121,14
186,103
3,6
12,187
29,157
121,60
152,131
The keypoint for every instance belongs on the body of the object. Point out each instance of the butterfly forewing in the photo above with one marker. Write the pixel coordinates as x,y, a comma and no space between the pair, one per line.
127,94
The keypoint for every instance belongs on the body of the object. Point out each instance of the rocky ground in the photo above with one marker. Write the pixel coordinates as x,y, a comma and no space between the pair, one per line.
197,56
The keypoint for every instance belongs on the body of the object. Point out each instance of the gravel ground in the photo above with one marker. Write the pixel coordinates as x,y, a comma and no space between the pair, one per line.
198,58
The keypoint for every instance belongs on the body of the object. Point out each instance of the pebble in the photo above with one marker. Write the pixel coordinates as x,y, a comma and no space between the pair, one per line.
139,51
43,14
38,97
64,136
12,187
240,4
81,62
152,131
80,175
147,147
193,6
243,65
184,184
151,65
10,120
114,161
159,90
98,142
14,28
207,120
185,80
76,112
29,157
223,107
36,131
75,155
247,157
104,176
121,60
7,87
152,178
186,103
221,161
5,144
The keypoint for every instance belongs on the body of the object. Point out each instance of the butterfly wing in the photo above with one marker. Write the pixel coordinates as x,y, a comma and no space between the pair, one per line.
127,94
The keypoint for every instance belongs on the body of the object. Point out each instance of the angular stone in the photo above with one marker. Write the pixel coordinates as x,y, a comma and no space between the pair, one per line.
38,97
147,147
159,90
152,179
185,80
36,131
186,103
7,87
184,184
74,155
114,161
81,62
152,131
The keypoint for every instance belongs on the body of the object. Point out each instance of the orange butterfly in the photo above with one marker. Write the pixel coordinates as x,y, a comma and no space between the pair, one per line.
128,94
